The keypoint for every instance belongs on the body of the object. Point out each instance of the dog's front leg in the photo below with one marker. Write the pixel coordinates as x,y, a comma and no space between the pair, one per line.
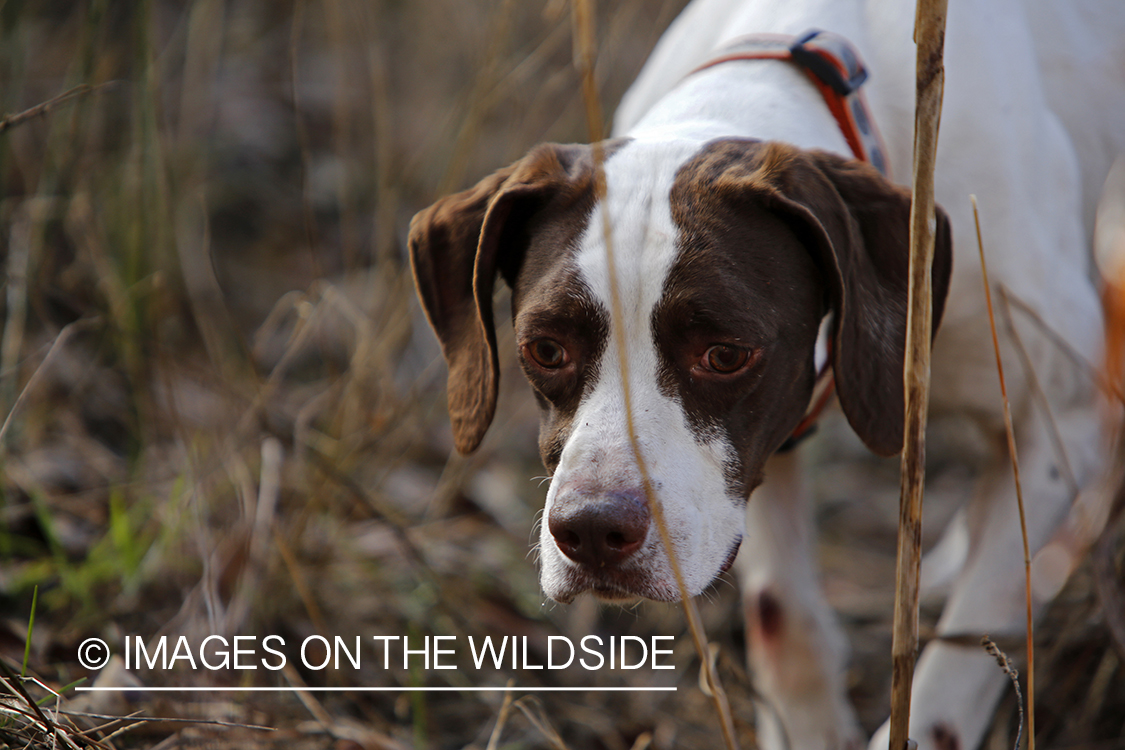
796,649
956,684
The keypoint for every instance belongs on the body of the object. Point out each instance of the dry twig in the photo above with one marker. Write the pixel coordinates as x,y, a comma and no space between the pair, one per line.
60,341
1013,675
501,719
1110,388
929,36
532,708
584,57
44,109
1019,491
33,720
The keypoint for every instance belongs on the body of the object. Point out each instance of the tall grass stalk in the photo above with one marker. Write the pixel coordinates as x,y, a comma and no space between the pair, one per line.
583,19
1014,456
929,36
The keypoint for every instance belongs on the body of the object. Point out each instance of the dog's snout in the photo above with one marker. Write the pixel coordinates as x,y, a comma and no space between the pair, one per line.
600,531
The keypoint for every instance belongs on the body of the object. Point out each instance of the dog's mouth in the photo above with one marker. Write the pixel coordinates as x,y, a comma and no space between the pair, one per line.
615,586
627,586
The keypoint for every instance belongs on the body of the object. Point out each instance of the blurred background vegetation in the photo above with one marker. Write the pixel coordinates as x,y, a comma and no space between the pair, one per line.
227,413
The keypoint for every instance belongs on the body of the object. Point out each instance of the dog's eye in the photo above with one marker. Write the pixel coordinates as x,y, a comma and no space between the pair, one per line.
724,359
547,353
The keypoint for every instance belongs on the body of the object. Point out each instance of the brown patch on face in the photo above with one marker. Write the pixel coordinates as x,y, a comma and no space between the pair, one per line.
772,238
550,300
742,279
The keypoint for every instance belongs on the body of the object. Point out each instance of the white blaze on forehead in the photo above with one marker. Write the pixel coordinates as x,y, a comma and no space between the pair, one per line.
687,469
637,207
644,246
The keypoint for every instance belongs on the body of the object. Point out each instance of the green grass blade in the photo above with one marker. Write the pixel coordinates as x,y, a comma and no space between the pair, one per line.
30,630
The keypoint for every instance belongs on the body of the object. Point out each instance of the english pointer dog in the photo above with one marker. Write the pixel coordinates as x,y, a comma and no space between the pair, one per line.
760,251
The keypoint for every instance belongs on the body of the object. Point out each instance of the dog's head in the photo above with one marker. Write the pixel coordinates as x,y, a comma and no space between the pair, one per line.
726,259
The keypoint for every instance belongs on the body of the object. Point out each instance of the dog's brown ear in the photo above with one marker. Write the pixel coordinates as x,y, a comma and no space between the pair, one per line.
857,225
872,296
458,246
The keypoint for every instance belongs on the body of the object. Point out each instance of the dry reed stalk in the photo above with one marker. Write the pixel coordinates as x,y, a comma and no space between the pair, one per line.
583,19
30,710
533,709
1019,489
44,109
501,719
1104,381
1037,391
1002,660
387,198
57,345
929,36
643,741
217,328
203,58
477,101
300,582
307,698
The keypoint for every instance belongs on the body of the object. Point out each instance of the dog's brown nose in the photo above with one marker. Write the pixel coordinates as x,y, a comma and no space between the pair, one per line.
599,532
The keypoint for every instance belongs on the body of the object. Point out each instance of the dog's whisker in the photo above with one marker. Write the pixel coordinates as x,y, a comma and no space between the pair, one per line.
710,594
536,528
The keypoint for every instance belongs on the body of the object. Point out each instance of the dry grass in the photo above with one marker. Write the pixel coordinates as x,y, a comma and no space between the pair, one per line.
929,36
232,416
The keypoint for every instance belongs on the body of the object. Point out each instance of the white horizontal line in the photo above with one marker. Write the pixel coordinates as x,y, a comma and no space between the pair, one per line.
373,689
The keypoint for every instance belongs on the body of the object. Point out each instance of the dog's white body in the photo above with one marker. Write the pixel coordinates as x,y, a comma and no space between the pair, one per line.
1031,125
729,250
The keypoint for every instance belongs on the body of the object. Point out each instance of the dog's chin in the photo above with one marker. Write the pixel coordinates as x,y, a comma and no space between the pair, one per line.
614,586
625,587
619,595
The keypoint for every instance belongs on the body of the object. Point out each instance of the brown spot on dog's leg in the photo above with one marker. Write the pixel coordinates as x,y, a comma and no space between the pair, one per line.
769,616
945,737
